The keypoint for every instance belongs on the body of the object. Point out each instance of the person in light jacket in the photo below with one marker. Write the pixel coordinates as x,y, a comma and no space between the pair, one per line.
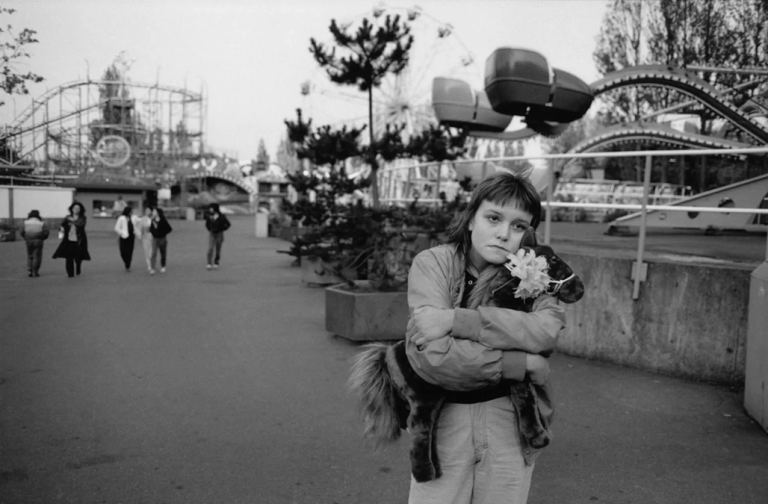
126,227
34,231
471,354
74,242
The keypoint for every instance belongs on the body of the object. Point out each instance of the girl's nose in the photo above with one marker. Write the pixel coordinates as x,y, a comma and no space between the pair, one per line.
503,232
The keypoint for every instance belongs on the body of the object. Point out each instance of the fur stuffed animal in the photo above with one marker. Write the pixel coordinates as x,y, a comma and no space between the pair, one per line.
393,397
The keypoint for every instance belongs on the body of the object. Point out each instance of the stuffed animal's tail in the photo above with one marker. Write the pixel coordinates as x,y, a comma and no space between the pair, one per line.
371,381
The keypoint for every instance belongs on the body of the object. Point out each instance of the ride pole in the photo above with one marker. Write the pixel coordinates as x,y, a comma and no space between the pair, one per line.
640,269
548,214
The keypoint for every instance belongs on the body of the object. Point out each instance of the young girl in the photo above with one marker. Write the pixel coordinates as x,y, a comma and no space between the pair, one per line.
470,353
74,242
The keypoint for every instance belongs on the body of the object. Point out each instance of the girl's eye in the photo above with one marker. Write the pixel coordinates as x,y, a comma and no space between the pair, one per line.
493,218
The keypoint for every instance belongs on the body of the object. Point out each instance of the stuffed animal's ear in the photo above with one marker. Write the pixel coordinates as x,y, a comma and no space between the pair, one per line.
529,238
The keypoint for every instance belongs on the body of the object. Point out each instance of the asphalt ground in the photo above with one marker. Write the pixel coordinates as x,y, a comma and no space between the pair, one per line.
222,386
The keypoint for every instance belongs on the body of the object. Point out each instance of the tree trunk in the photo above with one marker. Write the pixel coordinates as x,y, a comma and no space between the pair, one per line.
372,153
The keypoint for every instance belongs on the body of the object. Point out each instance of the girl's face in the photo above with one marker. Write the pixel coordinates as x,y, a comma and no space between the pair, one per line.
147,211
154,213
76,210
496,230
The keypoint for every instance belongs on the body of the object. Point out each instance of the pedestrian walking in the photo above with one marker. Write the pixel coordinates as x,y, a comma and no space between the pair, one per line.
216,223
145,237
472,353
34,231
125,227
159,229
74,242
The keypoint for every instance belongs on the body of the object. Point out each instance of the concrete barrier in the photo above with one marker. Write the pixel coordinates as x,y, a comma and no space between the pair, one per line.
690,320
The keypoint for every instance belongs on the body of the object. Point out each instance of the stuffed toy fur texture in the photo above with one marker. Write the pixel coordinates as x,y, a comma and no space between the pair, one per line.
393,397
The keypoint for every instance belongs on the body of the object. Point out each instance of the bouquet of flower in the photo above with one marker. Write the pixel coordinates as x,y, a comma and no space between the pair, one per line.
532,272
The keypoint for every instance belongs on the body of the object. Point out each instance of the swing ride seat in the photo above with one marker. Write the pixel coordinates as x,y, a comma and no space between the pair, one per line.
520,82
455,104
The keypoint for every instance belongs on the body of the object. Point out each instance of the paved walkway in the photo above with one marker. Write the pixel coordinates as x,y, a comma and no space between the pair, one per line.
223,387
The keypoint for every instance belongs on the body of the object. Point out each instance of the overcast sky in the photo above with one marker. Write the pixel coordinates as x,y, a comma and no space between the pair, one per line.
251,57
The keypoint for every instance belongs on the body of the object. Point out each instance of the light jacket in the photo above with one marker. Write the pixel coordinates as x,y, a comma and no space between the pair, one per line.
121,226
486,344
142,231
475,356
34,229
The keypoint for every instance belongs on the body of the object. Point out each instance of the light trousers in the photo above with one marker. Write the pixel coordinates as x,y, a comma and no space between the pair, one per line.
479,452
146,245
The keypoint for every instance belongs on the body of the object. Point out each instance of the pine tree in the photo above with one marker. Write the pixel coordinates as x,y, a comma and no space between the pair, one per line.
371,54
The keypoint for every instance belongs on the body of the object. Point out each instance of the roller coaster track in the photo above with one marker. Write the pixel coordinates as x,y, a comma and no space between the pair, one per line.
668,77
654,133
687,83
40,102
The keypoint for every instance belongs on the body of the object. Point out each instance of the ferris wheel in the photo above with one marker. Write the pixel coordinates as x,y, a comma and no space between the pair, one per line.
403,99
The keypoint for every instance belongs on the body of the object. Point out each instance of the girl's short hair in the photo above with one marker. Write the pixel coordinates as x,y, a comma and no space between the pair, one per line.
128,210
501,188
71,209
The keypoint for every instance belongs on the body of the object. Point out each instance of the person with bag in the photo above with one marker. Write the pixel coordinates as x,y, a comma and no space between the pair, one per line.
74,242
34,231
216,223
125,227
159,228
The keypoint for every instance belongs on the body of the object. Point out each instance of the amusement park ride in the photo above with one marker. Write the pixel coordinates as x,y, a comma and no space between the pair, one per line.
520,82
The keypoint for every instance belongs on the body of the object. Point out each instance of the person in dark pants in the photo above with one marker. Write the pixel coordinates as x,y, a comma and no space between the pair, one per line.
125,227
34,231
159,228
216,223
74,242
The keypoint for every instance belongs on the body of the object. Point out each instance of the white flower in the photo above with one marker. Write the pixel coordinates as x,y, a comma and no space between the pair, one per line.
532,272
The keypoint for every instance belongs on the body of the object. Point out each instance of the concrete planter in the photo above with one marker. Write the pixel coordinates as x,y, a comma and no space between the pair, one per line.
365,316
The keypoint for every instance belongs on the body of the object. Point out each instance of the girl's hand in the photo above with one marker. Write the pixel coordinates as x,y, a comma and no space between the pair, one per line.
433,323
537,368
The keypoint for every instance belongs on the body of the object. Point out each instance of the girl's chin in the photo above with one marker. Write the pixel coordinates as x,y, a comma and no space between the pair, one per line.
496,257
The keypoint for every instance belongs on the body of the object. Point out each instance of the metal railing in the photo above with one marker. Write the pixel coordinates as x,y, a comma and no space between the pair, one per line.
643,207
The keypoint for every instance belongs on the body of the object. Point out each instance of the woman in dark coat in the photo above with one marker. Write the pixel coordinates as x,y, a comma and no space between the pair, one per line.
74,242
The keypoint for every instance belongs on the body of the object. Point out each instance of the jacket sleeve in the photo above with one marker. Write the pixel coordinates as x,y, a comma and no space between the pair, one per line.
45,232
506,329
452,363
225,224
119,227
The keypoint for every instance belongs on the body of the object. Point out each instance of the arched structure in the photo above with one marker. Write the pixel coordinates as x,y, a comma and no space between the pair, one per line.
235,180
